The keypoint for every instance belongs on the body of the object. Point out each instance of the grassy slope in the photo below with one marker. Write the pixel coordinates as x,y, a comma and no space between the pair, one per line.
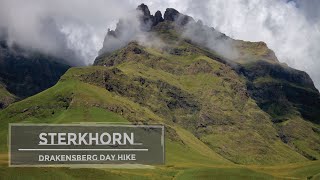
54,106
190,159
233,125
179,156
240,131
299,134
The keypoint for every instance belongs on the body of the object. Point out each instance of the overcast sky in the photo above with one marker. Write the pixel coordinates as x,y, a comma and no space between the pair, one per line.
290,27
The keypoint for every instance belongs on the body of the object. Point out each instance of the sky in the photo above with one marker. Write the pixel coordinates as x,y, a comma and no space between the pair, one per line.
289,27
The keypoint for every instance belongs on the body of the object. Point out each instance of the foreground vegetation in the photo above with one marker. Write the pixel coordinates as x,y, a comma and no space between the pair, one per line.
222,120
72,100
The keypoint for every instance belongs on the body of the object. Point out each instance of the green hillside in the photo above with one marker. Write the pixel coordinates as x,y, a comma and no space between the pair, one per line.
73,100
245,118
80,96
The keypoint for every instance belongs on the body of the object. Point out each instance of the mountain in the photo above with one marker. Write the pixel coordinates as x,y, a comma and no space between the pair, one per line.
230,108
24,73
223,100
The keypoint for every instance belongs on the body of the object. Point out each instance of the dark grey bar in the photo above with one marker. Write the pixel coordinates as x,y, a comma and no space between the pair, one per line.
79,144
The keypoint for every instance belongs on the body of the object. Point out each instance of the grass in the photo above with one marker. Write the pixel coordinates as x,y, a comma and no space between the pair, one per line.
186,158
304,170
222,173
223,128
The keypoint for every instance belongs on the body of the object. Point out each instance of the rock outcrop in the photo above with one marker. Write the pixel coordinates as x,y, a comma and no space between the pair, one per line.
282,91
147,19
157,18
174,15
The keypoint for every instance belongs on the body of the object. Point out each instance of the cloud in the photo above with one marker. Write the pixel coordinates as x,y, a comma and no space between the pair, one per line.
135,26
210,38
290,27
72,29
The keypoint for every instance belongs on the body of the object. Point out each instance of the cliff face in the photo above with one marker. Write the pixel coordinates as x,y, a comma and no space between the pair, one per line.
282,91
23,74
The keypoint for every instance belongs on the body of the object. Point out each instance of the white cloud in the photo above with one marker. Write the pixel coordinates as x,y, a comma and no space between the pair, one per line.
55,26
290,28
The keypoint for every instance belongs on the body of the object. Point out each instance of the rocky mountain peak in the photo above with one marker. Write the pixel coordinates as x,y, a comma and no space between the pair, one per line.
144,9
171,14
146,17
174,15
157,18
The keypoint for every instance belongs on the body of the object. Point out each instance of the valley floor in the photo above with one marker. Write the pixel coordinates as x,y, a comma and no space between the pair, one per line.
308,170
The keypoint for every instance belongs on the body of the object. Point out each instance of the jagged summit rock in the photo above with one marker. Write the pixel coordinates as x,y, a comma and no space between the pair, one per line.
196,31
148,19
144,8
174,15
171,14
157,18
